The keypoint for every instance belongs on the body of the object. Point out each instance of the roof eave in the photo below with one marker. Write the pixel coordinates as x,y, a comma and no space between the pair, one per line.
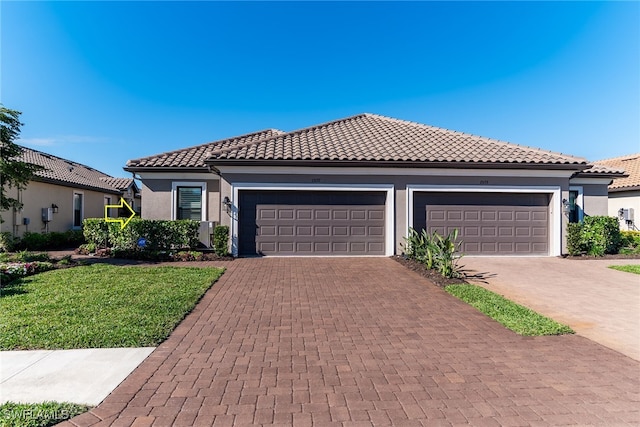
623,189
74,185
397,164
165,169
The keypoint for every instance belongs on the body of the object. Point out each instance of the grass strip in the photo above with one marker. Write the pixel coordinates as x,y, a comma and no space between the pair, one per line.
38,414
511,315
100,306
635,269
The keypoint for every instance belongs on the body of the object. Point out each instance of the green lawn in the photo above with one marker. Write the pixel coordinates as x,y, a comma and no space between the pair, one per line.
627,268
99,306
38,414
513,316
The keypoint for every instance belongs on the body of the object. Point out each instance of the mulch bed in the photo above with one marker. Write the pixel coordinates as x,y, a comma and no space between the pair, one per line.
431,275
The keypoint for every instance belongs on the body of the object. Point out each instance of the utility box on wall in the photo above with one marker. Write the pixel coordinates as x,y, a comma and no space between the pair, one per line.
626,214
47,214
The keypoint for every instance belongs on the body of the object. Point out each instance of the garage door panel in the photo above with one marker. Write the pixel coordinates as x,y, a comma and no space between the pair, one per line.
358,214
376,231
491,223
304,214
376,214
268,214
321,231
306,230
323,214
340,231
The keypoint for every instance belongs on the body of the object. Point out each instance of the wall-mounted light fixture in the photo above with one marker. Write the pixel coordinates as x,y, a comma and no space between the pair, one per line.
54,207
227,204
566,206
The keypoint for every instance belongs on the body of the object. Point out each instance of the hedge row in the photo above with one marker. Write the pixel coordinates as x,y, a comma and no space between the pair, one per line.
157,234
41,241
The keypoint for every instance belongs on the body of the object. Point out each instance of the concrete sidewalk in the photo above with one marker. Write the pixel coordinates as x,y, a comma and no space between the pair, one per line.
83,376
597,302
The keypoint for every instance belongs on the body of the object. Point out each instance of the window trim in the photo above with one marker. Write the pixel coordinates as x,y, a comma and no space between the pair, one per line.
73,209
174,197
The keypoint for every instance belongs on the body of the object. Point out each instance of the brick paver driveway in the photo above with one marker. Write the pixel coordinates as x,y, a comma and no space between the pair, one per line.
362,341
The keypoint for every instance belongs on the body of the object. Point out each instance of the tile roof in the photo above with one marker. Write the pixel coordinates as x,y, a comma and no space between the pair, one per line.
630,164
194,157
370,137
66,172
121,184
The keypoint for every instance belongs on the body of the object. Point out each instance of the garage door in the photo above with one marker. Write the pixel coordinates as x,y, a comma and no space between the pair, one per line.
489,223
311,223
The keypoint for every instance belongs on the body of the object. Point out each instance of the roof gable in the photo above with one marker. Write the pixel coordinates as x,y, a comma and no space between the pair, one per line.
630,164
374,138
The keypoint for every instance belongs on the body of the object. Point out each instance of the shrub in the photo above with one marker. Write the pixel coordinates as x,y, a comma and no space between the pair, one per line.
159,235
49,241
630,242
86,249
221,240
7,242
602,234
597,236
435,251
575,244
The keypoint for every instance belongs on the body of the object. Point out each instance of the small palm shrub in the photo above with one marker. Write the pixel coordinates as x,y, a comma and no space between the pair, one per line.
435,251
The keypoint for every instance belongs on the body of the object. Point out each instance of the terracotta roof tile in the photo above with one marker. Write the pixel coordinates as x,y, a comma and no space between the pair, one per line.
194,157
370,137
121,184
67,172
630,164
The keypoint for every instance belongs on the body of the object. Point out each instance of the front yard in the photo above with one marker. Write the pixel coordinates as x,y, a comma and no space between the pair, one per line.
99,306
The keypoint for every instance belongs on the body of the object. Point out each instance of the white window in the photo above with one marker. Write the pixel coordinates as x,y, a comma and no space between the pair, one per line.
78,209
189,200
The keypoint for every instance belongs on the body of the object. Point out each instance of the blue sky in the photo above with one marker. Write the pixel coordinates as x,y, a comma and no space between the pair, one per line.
104,82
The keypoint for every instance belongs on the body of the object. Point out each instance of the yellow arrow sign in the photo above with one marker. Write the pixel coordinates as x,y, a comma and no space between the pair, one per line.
123,222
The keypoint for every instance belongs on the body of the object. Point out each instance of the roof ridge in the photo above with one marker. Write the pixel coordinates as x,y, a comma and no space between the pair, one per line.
285,134
486,138
624,157
219,141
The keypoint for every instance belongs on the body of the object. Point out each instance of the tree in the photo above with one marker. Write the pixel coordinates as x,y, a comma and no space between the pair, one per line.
14,173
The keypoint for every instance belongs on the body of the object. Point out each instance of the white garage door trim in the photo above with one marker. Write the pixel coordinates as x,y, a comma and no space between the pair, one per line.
389,204
555,210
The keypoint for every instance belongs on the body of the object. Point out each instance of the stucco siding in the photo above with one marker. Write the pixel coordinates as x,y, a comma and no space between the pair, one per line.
158,198
595,200
625,200
40,195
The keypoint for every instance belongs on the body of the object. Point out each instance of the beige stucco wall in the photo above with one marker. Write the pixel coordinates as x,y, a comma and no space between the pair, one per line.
40,195
158,201
624,200
595,199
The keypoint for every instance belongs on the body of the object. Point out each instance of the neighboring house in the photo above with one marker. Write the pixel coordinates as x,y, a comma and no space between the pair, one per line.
354,187
624,193
129,191
62,195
